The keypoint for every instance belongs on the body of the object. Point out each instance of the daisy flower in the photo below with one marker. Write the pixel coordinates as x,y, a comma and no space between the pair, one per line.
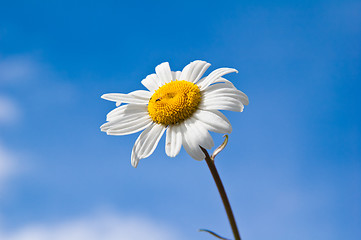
182,104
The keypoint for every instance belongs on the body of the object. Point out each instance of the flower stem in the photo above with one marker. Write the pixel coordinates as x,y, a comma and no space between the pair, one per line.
222,192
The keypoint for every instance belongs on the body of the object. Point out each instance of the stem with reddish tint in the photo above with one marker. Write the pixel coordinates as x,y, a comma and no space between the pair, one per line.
222,192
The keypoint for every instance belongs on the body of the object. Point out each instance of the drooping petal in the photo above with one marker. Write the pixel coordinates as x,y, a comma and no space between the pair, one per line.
137,97
194,71
164,73
146,143
195,135
205,139
213,120
195,153
214,77
173,142
152,82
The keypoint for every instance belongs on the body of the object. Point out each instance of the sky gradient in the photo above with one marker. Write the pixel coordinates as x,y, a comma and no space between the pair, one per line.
292,167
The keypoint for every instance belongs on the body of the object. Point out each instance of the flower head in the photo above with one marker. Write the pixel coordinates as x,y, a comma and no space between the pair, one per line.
182,103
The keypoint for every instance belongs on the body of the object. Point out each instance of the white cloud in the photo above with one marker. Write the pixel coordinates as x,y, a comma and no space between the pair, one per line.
9,111
107,226
7,165
18,69
28,71
27,78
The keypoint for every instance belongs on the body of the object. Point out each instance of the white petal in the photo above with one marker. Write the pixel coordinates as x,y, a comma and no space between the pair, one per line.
205,139
185,72
244,98
214,121
225,90
195,153
214,77
128,127
122,119
195,135
199,69
219,87
194,71
176,75
141,94
127,119
221,103
137,97
146,143
164,73
218,80
151,82
173,142
127,109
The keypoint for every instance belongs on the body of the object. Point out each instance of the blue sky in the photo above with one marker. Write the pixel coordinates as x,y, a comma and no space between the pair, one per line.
292,167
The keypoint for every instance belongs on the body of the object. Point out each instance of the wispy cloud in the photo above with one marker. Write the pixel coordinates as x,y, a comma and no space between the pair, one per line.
7,165
9,111
25,81
18,69
98,226
30,72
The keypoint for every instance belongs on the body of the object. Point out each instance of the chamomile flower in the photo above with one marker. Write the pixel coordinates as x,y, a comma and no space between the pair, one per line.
182,104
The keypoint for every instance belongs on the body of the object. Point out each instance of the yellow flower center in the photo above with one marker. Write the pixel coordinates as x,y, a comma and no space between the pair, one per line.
174,102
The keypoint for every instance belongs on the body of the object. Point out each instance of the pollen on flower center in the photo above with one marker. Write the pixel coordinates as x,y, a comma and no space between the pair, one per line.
174,102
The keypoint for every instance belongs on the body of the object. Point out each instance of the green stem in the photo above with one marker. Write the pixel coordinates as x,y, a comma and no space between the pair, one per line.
222,192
